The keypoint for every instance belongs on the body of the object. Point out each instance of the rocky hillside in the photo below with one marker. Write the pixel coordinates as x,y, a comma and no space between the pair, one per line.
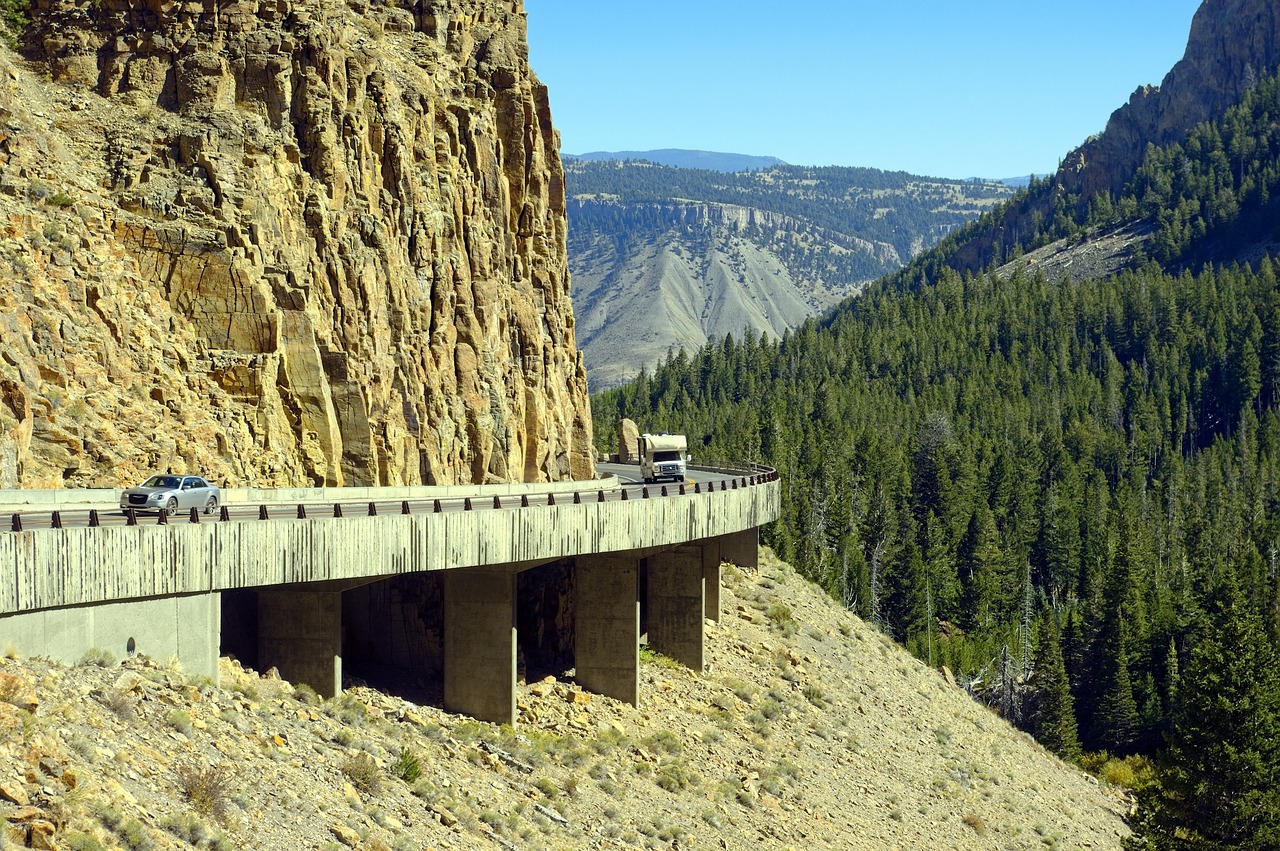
283,242
809,730
700,278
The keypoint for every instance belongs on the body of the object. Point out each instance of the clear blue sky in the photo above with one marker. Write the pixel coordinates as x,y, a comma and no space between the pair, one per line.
955,89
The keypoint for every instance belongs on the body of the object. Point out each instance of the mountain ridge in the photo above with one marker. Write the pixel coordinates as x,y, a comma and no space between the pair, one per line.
664,259
686,158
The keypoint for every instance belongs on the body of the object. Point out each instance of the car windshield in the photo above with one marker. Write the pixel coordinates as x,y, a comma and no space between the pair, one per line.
666,455
161,482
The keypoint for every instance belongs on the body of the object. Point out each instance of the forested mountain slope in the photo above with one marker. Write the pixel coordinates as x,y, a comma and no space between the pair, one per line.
1066,488
666,258
1233,45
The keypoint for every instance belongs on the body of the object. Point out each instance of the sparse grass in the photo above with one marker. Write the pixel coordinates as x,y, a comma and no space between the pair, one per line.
675,775
363,772
208,789
347,709
547,787
760,724
181,722
121,702
814,694
779,616
746,692
663,741
652,657
976,822
60,200
135,836
77,841
407,767
98,657
194,831
609,740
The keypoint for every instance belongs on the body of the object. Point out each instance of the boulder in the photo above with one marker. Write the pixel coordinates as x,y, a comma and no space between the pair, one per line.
628,442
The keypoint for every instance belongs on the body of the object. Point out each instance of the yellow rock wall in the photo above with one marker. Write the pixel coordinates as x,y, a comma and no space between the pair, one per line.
281,243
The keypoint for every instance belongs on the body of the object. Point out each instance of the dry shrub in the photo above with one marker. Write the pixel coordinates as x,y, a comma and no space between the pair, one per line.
363,772
208,789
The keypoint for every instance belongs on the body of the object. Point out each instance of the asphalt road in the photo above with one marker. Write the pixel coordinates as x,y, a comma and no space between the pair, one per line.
109,514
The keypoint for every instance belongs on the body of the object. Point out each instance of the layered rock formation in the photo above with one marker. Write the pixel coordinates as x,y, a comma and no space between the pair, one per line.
1232,44
283,242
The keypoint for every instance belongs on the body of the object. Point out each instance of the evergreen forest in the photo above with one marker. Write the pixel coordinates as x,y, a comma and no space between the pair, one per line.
1067,493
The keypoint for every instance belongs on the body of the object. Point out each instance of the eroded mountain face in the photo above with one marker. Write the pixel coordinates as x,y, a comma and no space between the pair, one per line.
284,242
1232,44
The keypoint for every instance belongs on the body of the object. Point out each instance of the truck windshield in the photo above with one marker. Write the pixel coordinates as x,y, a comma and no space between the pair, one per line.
667,455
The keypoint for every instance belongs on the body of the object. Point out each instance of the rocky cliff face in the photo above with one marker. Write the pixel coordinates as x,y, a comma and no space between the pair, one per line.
283,242
1232,44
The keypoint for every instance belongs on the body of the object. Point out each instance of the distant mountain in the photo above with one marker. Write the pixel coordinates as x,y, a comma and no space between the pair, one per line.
680,158
665,258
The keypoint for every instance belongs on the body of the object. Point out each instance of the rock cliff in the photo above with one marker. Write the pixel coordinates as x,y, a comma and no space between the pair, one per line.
283,242
1232,43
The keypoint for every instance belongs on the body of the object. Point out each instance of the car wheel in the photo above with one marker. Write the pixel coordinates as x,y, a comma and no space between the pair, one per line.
211,505
171,506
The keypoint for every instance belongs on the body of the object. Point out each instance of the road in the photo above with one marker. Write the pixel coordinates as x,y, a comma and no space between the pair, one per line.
109,514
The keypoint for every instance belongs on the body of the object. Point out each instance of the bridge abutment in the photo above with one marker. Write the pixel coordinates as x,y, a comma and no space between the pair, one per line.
607,626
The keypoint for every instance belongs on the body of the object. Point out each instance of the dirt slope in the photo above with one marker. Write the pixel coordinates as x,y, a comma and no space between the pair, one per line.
809,730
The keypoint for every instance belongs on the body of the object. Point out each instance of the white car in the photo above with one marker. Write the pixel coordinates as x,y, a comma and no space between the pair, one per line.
170,493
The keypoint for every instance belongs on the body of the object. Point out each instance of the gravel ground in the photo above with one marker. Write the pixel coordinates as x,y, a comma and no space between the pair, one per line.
808,730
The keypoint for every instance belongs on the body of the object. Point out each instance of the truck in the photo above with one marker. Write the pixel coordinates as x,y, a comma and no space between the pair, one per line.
663,456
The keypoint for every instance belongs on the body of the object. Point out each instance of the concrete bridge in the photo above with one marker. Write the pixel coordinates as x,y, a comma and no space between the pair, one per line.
539,575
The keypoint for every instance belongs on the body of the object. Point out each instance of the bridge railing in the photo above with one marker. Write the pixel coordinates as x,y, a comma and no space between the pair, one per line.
423,500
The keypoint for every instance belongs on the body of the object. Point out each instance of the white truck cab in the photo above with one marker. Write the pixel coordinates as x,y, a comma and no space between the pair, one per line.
663,456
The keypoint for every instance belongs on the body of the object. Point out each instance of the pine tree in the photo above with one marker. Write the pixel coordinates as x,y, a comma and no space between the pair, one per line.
1114,725
1218,778
1054,722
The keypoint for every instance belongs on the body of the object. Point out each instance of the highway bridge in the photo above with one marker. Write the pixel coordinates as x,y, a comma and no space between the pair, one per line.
460,584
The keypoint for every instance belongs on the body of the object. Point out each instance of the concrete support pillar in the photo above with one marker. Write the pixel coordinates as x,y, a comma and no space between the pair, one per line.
711,578
741,548
607,626
676,600
300,633
480,644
